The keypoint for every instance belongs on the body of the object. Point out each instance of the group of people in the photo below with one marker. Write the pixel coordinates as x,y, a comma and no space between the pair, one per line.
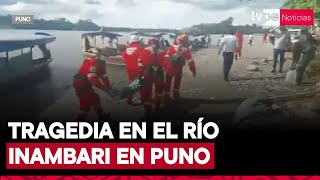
160,67
205,41
157,67
302,48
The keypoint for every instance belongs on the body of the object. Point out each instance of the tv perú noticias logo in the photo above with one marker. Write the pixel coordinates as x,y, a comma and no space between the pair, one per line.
277,17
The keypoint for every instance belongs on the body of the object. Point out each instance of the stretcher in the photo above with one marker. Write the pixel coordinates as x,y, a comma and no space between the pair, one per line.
122,93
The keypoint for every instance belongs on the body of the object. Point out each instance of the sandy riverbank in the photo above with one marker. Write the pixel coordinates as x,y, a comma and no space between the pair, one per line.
206,95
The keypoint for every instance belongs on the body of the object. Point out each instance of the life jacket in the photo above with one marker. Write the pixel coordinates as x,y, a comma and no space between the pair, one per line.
175,60
131,56
81,82
151,62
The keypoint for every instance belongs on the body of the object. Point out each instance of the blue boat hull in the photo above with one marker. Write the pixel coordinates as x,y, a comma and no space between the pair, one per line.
11,45
12,74
23,65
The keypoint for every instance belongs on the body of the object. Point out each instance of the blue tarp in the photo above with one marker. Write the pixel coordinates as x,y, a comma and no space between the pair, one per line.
20,43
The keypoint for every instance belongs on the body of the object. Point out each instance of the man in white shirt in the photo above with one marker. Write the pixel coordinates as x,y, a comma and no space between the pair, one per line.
282,42
250,39
228,45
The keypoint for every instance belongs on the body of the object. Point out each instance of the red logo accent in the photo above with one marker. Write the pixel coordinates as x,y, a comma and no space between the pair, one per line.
296,17
110,156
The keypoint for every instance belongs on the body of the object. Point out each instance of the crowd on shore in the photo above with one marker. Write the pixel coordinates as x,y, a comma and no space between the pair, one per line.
156,72
302,46
146,67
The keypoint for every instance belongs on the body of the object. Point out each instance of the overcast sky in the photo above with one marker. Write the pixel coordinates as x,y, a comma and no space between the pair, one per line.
141,13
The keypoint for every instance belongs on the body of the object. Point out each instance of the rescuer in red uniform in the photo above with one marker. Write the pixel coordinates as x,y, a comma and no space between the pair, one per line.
177,56
151,62
131,56
239,37
91,73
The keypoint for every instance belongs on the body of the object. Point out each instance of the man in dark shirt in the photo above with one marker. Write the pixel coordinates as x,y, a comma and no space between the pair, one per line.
308,53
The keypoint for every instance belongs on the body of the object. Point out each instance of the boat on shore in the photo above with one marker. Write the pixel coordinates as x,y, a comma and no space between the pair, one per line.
114,54
164,44
15,65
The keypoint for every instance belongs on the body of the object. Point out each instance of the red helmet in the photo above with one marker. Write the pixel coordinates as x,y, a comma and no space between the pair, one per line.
182,39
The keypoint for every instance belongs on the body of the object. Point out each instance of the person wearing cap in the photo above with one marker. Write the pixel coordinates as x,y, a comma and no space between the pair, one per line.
282,42
131,56
177,56
151,62
92,73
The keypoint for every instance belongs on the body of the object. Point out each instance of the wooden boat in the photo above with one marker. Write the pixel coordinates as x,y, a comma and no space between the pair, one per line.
154,35
13,66
120,47
114,54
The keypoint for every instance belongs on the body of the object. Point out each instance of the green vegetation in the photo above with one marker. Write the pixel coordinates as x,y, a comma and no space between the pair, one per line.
87,25
64,24
304,4
224,27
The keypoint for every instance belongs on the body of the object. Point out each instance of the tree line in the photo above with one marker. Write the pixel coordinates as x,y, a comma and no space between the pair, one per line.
65,24
224,27
88,25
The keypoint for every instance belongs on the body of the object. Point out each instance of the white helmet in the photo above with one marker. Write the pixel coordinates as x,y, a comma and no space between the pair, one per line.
134,38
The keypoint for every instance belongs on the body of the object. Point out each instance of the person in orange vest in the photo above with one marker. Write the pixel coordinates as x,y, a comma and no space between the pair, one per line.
177,56
131,56
238,52
92,73
151,62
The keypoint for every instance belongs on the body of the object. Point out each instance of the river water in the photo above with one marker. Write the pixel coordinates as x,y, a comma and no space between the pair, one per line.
30,98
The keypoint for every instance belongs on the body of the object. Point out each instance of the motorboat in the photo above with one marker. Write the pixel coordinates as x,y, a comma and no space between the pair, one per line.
114,54
17,59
